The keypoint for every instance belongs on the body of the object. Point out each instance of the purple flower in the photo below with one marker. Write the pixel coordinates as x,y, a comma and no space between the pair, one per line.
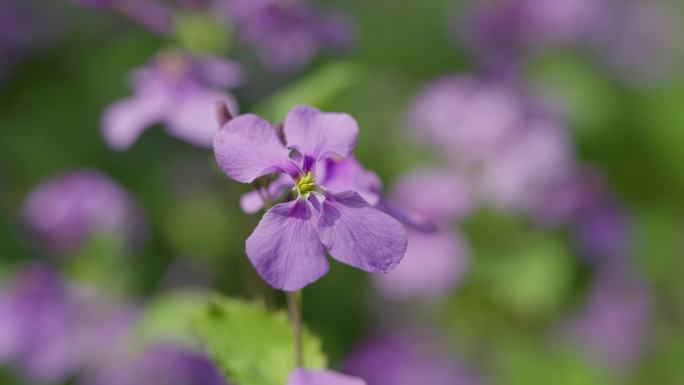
635,41
612,326
321,377
511,150
466,118
287,35
288,246
502,32
435,261
51,330
406,359
65,210
176,89
162,365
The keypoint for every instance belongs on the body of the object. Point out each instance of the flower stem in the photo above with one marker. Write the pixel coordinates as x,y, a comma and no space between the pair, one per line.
294,304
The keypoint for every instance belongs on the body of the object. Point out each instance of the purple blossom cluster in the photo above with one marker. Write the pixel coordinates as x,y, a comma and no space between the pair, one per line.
50,329
285,34
510,150
630,37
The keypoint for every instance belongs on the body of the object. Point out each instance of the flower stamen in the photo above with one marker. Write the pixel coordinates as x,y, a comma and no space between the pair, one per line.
306,183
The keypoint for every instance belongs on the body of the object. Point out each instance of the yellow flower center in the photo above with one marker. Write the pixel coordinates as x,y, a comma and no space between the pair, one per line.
306,183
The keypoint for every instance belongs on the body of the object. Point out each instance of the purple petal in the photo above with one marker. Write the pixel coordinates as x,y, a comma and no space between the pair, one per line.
433,265
248,147
219,72
408,218
320,134
284,247
193,117
348,175
359,235
252,202
321,377
123,122
438,195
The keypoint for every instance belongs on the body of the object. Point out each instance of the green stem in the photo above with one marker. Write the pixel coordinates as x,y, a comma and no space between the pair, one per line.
294,304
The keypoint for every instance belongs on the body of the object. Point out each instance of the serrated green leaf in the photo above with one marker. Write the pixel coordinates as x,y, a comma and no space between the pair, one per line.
316,89
253,346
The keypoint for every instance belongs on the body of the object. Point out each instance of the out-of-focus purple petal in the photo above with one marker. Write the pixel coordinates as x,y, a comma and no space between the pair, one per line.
359,235
285,249
320,134
466,118
220,72
612,326
406,358
603,233
438,195
160,364
194,118
248,147
64,210
635,41
302,376
348,175
408,218
123,122
432,266
527,168
253,201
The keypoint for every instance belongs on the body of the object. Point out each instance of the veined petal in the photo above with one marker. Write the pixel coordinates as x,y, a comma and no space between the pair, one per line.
359,235
193,116
302,376
124,121
248,147
284,248
320,134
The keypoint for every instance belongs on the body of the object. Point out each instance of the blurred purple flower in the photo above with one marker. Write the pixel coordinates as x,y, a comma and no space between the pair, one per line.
405,359
287,34
467,119
321,377
502,32
152,14
636,40
65,210
288,246
179,90
160,365
434,262
612,326
506,146
52,330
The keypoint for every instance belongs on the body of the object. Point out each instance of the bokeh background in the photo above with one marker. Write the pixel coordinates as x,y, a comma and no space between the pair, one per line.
545,139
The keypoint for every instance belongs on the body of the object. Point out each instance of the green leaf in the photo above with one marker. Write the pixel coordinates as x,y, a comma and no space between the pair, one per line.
316,89
169,317
253,346
202,33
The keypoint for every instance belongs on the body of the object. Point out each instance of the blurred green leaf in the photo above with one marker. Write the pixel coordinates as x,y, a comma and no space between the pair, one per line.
169,317
316,89
203,33
526,364
531,280
254,346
